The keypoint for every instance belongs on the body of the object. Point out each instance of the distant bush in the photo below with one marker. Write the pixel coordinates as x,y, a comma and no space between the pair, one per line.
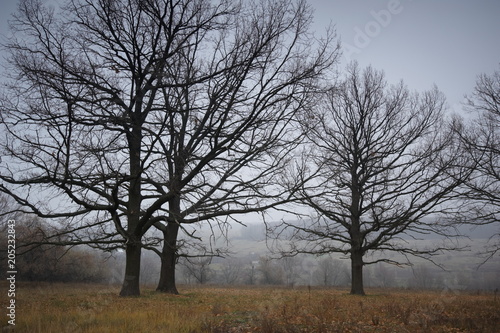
44,262
61,264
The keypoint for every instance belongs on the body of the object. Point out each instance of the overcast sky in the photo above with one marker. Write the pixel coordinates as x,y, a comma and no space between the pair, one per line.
423,42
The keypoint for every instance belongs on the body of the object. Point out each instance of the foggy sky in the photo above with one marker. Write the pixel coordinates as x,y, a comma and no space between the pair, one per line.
422,42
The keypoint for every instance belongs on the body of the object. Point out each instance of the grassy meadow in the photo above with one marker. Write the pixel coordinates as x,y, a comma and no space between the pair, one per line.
57,308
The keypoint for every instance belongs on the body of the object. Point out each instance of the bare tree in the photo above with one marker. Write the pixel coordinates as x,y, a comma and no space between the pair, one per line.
291,267
331,272
250,273
379,169
423,278
231,271
480,140
198,268
271,272
237,137
125,114
386,276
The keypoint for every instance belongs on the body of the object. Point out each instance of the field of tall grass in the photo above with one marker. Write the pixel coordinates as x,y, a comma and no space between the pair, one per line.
46,308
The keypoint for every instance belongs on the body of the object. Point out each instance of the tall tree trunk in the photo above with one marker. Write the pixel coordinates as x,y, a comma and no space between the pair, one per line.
355,233
169,251
357,273
130,285
133,245
168,260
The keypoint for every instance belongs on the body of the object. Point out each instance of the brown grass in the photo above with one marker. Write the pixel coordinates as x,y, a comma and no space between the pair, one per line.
46,308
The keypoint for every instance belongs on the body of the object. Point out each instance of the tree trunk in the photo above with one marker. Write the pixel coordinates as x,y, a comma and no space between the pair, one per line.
168,260
355,232
130,285
357,273
133,245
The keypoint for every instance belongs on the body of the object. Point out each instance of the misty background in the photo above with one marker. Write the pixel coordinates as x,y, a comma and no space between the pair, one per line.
248,257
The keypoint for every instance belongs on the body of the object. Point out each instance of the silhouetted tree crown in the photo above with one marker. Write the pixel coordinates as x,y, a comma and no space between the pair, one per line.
123,115
377,168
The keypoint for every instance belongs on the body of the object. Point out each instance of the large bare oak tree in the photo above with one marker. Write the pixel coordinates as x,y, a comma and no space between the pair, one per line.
480,138
377,169
125,115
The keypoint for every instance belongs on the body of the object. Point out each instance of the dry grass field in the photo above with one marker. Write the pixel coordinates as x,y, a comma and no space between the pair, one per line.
57,308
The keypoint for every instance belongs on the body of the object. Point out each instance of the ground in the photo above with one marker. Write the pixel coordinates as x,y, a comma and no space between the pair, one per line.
83,308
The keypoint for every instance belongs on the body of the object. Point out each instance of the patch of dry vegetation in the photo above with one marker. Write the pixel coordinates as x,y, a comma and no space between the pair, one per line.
46,308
